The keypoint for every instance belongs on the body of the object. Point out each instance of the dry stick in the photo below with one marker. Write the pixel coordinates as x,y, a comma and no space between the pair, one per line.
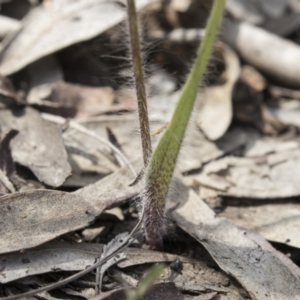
139,81
127,241
82,129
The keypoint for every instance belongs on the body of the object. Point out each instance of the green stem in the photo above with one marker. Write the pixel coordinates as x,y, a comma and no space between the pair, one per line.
139,81
162,164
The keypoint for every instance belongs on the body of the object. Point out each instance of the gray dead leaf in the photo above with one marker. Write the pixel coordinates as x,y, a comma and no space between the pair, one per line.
34,217
216,114
56,255
268,145
88,164
31,218
266,177
247,257
38,145
196,276
46,29
277,222
53,256
112,190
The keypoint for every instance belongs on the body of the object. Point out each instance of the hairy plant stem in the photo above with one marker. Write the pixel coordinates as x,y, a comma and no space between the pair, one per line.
162,164
139,81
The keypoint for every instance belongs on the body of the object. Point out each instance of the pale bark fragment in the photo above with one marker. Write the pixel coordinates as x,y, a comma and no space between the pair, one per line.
240,253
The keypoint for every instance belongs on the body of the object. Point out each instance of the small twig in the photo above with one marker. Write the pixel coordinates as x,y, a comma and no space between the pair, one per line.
82,129
139,81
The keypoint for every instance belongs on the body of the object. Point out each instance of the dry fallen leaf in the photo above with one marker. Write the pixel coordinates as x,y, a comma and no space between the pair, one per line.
215,116
31,218
261,270
38,145
62,256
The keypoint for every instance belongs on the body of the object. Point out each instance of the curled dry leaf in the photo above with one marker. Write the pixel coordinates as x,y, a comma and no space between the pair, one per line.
31,218
216,114
251,260
266,51
38,37
38,145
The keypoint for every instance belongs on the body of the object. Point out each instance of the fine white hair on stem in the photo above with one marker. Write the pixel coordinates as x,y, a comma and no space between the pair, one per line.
74,125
